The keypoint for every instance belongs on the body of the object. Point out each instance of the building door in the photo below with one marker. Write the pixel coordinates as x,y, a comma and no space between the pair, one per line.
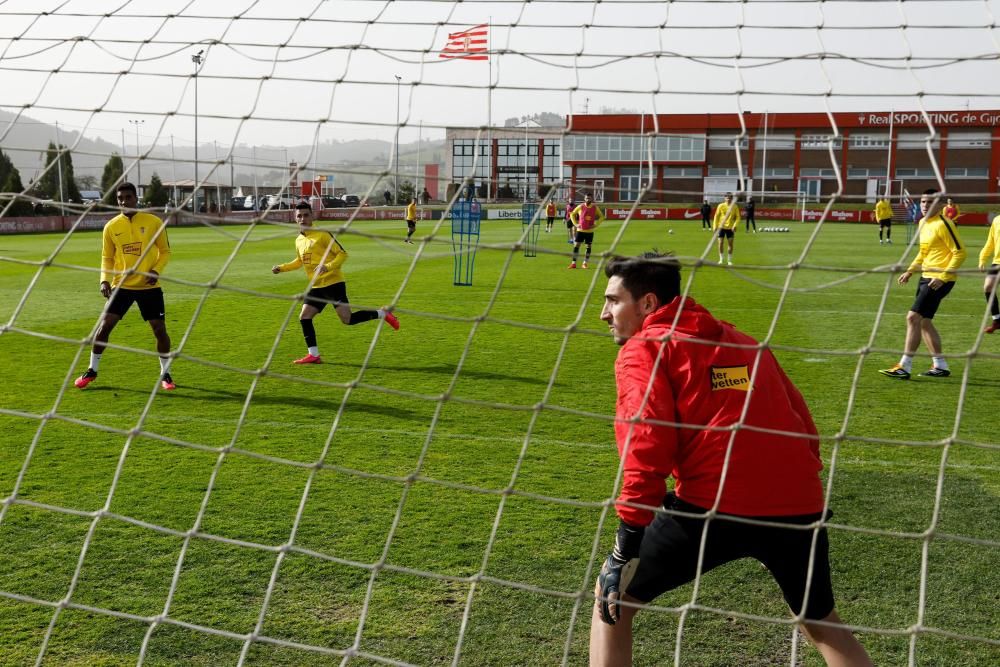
874,189
810,188
628,185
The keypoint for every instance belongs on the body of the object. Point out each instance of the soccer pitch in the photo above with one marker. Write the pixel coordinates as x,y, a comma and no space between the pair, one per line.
475,442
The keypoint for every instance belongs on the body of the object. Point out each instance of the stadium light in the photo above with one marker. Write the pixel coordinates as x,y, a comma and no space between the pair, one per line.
395,176
197,60
138,158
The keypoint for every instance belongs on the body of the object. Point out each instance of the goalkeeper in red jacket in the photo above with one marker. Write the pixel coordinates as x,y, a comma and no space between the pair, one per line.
703,403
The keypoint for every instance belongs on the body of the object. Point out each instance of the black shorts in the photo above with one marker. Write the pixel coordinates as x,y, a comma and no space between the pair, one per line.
927,301
584,237
411,224
993,270
726,234
569,224
886,222
150,303
320,297
668,557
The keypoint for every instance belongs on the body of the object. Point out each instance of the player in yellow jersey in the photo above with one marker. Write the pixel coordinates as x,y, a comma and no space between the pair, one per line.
727,219
883,216
411,218
134,252
322,256
941,255
989,261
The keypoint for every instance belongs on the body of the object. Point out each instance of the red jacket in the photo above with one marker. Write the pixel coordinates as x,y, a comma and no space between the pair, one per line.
701,384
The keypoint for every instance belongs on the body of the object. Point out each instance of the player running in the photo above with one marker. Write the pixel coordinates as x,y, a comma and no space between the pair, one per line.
322,256
989,261
134,252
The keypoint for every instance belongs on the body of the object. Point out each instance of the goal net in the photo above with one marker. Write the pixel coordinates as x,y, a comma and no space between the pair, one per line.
445,493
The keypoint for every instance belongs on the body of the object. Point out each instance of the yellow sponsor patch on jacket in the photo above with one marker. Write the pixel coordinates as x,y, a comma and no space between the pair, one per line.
730,377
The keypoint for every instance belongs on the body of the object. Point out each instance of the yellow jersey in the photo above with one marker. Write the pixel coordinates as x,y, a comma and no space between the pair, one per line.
883,210
727,216
316,247
131,247
411,211
990,253
941,250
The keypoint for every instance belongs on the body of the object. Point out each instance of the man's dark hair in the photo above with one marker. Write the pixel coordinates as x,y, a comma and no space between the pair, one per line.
303,205
930,191
127,186
656,272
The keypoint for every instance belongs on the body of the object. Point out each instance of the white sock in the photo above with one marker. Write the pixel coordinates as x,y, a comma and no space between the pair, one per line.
721,259
381,313
939,362
95,361
906,361
164,364
314,350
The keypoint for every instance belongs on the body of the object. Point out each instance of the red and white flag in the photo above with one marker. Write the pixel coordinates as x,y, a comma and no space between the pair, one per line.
471,44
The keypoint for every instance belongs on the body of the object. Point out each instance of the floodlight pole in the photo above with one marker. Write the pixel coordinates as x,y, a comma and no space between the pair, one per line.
395,176
138,158
197,60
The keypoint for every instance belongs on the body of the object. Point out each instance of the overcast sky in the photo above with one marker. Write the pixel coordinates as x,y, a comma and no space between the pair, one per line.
279,71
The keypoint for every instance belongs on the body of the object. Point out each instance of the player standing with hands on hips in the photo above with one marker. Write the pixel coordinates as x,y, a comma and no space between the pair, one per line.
134,252
322,256
586,218
680,369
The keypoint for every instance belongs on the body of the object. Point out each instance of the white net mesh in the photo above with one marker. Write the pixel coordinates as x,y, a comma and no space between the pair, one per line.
445,493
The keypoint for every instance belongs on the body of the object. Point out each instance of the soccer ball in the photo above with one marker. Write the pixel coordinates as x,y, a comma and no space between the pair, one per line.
670,231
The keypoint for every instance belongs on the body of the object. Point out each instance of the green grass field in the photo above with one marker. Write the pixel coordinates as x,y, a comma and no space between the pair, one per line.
504,385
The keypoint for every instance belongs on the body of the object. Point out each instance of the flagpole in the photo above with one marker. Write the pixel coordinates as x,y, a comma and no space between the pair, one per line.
489,112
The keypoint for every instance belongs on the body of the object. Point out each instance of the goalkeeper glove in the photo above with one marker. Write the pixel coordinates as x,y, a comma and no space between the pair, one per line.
618,570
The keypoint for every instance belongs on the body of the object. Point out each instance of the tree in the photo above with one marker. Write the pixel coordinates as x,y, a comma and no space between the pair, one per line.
111,178
58,182
406,190
156,194
10,182
87,182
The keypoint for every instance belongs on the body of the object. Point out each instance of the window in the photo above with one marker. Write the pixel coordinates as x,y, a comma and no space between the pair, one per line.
776,142
914,172
865,173
632,148
966,172
718,142
869,141
725,171
682,172
779,172
915,140
820,141
595,172
464,157
814,172
969,140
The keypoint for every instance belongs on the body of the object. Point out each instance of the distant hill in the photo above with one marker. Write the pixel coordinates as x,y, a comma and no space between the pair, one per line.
26,141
